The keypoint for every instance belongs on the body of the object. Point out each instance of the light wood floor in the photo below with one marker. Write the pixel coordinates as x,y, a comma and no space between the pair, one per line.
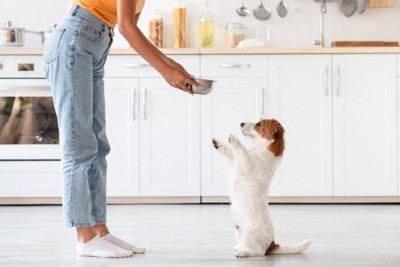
203,235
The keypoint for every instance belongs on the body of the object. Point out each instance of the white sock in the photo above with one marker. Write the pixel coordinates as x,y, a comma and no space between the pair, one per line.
122,244
98,247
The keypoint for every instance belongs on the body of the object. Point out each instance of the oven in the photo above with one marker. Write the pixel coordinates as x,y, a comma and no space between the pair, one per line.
28,123
29,138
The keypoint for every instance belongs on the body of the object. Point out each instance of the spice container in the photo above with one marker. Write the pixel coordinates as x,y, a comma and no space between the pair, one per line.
234,33
156,28
179,19
206,28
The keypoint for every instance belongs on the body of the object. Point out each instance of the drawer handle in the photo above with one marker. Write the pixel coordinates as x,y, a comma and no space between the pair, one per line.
131,65
234,66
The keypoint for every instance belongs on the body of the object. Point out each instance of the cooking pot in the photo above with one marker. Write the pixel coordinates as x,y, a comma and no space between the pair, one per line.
11,37
15,37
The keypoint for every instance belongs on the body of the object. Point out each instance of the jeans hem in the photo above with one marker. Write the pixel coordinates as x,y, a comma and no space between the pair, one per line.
91,224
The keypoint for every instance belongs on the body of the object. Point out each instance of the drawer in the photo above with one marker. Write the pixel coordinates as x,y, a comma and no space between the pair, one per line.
233,65
136,66
26,66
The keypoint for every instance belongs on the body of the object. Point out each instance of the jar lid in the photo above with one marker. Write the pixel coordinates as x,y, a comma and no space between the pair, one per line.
234,26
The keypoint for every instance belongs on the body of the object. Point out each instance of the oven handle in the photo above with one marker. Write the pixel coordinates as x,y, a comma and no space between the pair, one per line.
25,88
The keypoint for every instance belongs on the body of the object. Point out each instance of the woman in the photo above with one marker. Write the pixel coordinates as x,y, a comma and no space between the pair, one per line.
75,56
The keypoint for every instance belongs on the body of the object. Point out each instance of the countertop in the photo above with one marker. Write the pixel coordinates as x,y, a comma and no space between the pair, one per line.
231,51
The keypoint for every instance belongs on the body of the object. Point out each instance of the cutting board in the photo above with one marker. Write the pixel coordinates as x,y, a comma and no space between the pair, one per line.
380,3
363,43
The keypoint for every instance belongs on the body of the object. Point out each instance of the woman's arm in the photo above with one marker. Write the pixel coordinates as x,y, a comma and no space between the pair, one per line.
172,72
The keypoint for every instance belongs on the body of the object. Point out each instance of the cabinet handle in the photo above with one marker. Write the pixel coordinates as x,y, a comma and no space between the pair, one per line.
145,104
338,81
132,65
326,81
233,66
262,109
134,104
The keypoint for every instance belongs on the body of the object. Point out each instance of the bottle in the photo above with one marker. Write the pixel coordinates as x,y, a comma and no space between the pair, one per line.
179,19
206,29
156,28
234,33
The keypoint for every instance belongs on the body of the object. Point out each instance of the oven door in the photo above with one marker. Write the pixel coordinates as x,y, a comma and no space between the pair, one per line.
28,123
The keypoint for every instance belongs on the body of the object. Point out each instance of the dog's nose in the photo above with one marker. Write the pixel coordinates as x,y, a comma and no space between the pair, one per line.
242,124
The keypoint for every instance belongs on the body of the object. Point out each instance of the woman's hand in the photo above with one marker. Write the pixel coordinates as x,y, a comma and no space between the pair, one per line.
179,78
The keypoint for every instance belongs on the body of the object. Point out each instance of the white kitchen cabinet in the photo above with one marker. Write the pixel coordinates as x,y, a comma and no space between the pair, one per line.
122,108
238,96
299,96
158,152
340,117
365,125
169,140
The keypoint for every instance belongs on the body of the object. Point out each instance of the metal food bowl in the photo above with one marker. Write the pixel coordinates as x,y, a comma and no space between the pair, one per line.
206,86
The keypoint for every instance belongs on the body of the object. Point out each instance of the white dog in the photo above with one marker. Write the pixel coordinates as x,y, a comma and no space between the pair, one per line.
251,174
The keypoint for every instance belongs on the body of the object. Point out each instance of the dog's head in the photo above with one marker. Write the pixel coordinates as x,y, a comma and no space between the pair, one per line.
266,131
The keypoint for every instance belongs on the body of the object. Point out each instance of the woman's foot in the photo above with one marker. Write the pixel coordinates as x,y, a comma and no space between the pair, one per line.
122,244
99,247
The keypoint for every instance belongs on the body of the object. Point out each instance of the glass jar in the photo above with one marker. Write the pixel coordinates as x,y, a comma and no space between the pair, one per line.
156,28
179,20
234,33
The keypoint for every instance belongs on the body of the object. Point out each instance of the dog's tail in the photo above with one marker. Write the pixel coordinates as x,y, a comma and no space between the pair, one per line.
276,249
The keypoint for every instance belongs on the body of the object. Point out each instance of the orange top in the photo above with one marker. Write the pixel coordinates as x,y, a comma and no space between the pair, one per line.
105,10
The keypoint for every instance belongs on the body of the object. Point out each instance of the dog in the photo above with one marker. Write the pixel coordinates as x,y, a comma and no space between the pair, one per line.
251,172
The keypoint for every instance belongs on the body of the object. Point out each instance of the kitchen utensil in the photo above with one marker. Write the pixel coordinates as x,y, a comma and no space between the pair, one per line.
262,12
361,6
15,37
380,3
243,11
364,44
348,7
282,9
206,86
11,37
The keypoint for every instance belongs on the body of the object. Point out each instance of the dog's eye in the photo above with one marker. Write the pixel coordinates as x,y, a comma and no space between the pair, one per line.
258,124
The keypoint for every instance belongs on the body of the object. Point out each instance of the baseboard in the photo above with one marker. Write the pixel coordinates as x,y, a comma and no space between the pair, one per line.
315,200
110,200
205,200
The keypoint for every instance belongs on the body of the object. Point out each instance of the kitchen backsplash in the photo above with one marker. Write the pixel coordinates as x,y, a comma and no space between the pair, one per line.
298,29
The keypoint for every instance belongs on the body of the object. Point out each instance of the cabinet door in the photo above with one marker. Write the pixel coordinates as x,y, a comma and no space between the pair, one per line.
169,140
300,97
365,142
234,100
123,134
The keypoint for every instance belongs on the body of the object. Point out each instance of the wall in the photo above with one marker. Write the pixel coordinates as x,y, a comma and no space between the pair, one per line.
298,29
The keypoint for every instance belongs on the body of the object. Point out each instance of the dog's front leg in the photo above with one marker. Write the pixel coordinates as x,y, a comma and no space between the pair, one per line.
240,153
222,148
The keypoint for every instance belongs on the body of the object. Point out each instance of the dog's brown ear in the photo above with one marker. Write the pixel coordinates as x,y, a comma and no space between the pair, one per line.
278,146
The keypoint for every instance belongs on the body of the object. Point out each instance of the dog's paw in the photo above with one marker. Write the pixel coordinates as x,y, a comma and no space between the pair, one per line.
216,144
242,254
232,139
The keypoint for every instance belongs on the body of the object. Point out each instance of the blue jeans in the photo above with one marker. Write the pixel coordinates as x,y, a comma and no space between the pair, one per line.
75,56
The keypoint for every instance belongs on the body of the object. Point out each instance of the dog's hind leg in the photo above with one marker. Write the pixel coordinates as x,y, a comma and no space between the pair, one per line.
250,244
222,148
